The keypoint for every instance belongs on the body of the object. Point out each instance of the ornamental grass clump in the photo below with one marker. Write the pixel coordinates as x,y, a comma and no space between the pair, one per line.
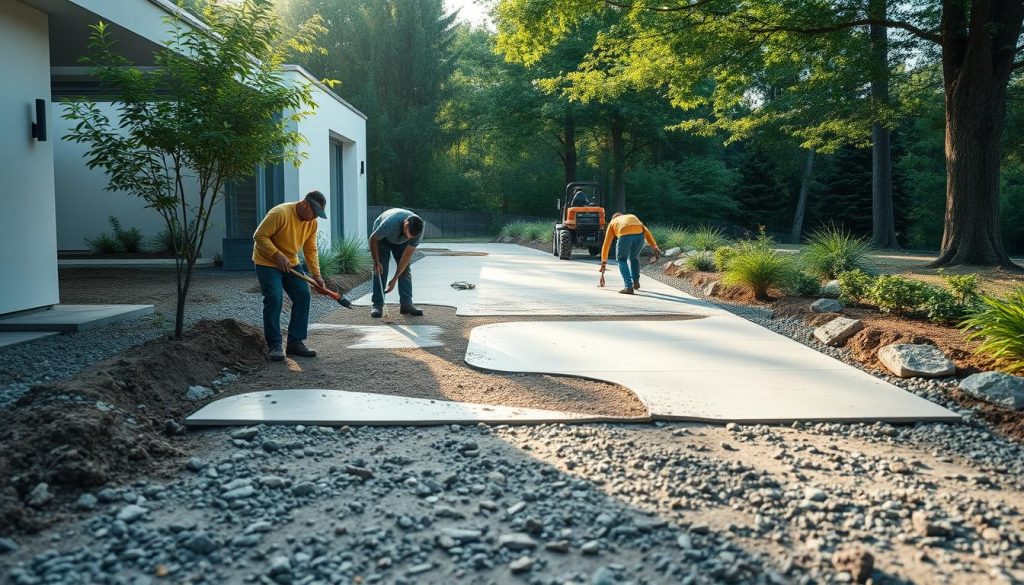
700,262
831,250
514,230
347,256
760,270
999,326
708,238
723,256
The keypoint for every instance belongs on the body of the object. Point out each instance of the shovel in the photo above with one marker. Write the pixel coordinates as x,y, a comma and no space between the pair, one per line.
323,290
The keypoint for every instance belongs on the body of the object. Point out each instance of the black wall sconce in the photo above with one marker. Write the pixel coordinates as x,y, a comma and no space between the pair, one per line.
362,167
39,126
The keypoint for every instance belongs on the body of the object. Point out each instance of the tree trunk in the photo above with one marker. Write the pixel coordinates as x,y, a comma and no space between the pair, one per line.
801,202
977,61
883,224
618,164
569,141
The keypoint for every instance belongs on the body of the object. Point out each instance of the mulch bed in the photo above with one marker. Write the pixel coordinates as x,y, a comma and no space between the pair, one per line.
111,421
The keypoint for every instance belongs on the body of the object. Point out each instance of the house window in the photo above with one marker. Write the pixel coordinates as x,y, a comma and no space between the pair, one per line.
250,199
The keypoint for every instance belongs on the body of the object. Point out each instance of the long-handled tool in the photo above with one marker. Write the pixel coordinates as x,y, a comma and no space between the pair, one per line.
324,290
383,305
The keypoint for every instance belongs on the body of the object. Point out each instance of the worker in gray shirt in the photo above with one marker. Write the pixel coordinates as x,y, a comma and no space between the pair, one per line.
396,232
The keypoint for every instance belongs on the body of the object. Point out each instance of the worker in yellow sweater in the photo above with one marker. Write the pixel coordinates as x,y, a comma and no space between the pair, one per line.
285,230
631,233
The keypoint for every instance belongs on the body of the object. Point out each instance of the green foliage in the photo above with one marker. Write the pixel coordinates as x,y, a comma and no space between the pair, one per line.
896,294
723,256
708,238
999,326
670,237
854,286
104,244
762,242
539,231
831,250
803,285
960,298
514,230
965,288
760,270
698,188
348,256
700,261
210,110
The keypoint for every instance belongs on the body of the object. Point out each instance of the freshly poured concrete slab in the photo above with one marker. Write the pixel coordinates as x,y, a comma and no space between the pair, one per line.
712,369
72,318
12,338
339,407
513,280
386,336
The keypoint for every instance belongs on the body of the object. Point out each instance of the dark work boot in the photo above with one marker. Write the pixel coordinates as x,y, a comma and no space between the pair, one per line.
297,348
411,310
276,354
376,312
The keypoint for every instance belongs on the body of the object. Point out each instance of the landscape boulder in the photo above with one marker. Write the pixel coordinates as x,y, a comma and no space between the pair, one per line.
712,289
826,306
996,387
198,393
831,289
837,331
671,252
856,561
910,360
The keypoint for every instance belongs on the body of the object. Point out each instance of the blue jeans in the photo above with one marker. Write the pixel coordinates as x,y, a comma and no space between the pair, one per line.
385,250
627,252
273,284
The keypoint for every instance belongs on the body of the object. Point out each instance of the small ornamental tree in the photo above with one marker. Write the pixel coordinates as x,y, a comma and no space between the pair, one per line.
214,106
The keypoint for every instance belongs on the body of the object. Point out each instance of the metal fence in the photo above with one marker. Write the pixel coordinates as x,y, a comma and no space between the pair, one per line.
445,223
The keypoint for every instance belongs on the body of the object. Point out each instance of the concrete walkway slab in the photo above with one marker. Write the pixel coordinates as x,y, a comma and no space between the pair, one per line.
12,338
386,336
73,318
339,407
513,280
713,369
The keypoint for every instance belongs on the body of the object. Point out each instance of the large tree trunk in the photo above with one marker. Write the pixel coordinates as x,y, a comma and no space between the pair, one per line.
977,60
569,142
618,164
801,202
883,225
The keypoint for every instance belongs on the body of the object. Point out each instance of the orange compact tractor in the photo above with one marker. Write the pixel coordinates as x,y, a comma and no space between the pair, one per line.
581,223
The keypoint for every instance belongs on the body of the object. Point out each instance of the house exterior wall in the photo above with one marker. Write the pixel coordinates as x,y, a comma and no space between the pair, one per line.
28,236
83,204
334,120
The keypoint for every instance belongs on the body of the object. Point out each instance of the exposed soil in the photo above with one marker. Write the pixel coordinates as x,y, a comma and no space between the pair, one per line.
111,421
435,373
87,255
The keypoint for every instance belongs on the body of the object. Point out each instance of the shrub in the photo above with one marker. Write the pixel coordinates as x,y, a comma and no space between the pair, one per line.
763,241
700,261
803,285
999,326
895,294
104,244
708,238
942,306
129,240
831,250
854,286
347,256
662,234
539,231
515,230
677,238
760,270
162,242
723,256
965,288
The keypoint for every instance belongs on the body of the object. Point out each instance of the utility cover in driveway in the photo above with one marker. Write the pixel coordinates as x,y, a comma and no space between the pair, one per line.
513,280
712,369
338,407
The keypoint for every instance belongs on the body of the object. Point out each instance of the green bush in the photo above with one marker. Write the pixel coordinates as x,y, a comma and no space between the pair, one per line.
854,286
831,250
803,285
104,244
999,326
942,306
723,256
661,234
540,231
130,240
348,256
763,242
895,294
760,270
700,261
965,288
515,230
708,238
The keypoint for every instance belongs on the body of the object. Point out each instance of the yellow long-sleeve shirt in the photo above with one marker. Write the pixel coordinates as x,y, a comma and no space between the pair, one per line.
282,230
626,224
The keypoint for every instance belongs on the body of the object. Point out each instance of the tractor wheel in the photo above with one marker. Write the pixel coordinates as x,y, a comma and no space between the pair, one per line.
594,250
565,244
554,242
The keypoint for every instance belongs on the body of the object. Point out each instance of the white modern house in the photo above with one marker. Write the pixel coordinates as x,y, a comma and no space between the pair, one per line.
50,200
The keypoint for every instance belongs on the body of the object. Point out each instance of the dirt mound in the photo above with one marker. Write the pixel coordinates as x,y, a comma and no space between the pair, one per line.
110,420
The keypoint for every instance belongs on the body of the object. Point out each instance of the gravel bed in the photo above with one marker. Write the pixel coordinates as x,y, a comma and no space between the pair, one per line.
218,294
973,440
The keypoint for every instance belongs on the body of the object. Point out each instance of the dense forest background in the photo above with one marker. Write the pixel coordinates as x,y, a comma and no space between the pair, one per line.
454,125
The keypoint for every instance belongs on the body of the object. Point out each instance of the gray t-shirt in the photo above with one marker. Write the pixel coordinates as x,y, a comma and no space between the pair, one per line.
388,226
